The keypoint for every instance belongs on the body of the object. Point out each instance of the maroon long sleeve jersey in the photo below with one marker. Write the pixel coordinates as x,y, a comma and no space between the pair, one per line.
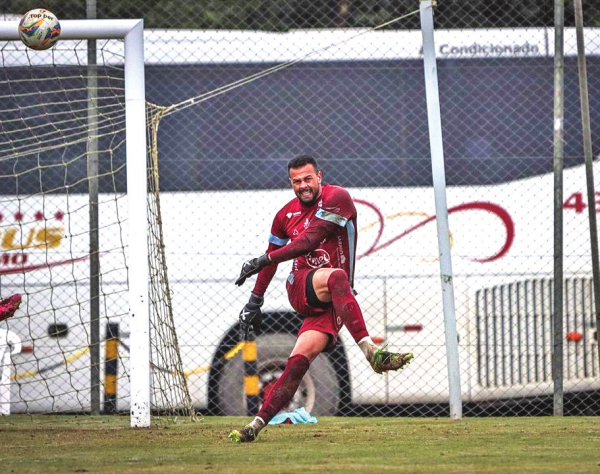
322,235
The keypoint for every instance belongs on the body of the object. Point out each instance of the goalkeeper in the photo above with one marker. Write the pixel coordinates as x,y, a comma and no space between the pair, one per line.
321,224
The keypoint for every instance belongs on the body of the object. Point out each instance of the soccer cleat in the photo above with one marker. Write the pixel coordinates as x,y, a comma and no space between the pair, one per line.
8,306
383,361
246,435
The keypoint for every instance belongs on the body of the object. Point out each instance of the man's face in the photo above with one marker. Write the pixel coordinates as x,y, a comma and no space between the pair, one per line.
306,182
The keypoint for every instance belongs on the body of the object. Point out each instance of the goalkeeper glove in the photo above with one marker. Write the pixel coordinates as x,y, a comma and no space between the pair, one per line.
251,316
252,267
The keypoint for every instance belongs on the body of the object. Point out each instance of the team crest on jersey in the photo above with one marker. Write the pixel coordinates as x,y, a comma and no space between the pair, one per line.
318,258
306,223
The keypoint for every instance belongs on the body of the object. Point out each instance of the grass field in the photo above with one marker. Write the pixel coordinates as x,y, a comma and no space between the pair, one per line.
370,445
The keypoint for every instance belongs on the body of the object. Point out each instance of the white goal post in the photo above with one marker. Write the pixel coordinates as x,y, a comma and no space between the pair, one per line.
131,31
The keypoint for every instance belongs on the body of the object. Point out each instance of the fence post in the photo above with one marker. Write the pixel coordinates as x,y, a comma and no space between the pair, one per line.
441,207
557,336
111,368
249,355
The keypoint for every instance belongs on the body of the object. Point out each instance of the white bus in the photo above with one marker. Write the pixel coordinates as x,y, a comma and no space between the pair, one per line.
502,258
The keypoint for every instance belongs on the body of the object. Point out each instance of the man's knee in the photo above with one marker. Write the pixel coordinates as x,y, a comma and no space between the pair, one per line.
321,282
338,282
310,344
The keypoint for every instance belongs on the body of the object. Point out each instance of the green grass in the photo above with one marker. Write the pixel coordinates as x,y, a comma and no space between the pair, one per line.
370,445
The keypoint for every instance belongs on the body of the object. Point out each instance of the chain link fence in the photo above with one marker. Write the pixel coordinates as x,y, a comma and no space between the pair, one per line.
355,100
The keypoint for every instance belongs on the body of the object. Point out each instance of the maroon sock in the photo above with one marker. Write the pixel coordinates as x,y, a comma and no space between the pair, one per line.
283,390
345,305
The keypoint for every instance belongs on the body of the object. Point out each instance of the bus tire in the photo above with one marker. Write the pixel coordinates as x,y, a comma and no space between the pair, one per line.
318,392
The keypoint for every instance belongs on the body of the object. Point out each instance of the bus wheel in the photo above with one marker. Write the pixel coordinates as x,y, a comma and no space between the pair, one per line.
318,392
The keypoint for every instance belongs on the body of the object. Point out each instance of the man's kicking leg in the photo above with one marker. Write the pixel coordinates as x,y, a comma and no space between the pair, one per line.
332,284
308,346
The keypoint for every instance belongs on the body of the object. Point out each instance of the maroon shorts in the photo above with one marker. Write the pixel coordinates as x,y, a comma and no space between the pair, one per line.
315,319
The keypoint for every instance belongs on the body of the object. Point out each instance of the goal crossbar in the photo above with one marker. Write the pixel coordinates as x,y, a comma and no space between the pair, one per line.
80,29
131,31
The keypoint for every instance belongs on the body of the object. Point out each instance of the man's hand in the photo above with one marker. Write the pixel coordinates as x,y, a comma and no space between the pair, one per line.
8,306
251,315
252,267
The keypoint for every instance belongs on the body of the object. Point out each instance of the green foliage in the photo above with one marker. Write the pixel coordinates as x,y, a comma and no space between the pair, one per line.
65,9
281,15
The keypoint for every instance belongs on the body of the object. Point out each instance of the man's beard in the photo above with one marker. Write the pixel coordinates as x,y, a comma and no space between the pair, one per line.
311,200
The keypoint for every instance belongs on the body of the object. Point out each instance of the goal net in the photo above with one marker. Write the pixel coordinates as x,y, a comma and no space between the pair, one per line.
67,236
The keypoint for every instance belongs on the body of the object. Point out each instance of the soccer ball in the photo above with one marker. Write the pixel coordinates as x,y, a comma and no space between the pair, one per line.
39,29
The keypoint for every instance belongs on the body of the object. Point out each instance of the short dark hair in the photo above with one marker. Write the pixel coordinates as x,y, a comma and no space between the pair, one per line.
302,160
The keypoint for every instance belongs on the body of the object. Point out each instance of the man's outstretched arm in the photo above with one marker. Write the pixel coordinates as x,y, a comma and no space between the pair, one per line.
259,264
251,316
266,274
311,238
